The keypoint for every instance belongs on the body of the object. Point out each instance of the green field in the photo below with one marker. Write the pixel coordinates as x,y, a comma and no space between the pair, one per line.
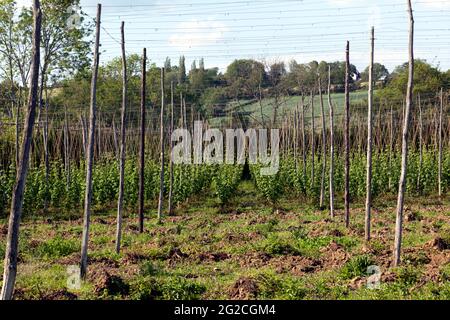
288,105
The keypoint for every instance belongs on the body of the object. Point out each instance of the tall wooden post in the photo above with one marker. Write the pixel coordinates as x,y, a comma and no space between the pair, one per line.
90,149
313,140
409,102
419,174
330,104
324,149
142,143
122,142
347,137
171,146
12,240
369,141
161,142
441,112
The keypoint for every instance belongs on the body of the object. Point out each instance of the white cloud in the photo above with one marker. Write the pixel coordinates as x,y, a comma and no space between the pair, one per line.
197,33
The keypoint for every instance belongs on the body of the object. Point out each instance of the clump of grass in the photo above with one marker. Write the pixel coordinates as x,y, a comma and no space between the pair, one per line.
57,248
276,245
356,267
407,276
172,288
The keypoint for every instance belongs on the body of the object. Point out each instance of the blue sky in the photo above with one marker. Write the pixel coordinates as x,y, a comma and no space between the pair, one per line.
223,30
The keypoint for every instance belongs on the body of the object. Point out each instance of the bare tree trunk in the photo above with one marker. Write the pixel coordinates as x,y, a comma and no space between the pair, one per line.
161,142
12,242
402,182
347,137
122,142
441,112
142,144
369,141
90,150
324,148
171,146
330,104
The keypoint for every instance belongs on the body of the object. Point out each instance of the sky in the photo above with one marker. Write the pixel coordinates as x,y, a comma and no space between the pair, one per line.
271,31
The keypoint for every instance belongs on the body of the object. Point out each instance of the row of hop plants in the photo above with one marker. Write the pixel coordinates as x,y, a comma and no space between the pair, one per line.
64,193
291,178
225,181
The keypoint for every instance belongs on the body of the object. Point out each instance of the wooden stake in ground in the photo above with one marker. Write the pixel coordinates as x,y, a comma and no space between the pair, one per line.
441,111
330,105
171,147
12,240
347,137
303,142
142,143
419,174
409,102
90,149
369,141
324,148
313,145
161,142
122,142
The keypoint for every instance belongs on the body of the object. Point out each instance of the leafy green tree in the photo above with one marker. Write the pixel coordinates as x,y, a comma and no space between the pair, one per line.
427,79
245,78
379,72
182,71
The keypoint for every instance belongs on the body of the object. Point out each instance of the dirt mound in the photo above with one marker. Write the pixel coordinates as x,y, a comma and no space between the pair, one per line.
333,256
60,295
175,255
134,257
439,244
107,262
112,284
244,289
213,257
253,259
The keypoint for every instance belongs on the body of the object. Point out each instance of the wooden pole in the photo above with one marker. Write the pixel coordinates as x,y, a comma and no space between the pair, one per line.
419,174
409,102
313,147
441,112
171,147
347,137
12,240
142,142
330,104
122,142
324,148
369,140
161,142
90,149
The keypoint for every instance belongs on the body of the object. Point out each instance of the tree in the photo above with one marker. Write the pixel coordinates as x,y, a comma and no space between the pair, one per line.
167,65
427,79
182,71
379,72
245,77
